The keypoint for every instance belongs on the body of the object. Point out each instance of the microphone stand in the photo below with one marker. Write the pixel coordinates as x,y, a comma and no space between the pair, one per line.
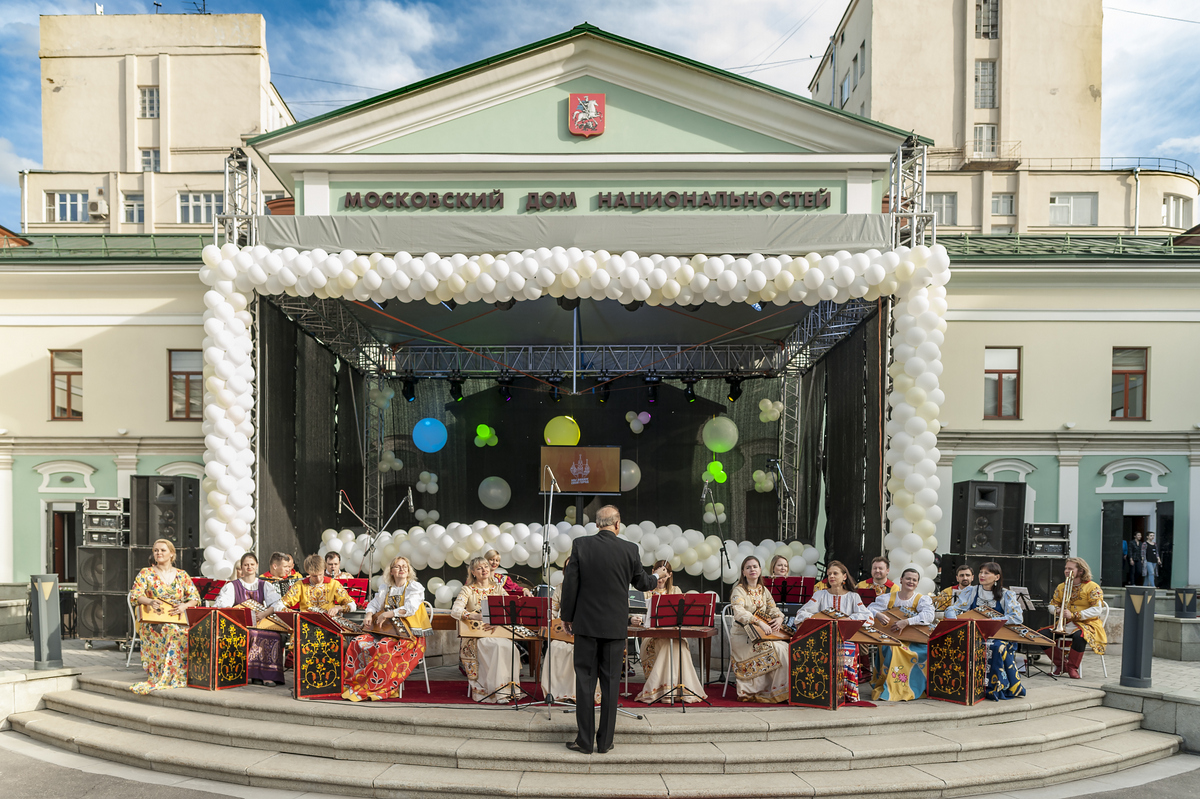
707,491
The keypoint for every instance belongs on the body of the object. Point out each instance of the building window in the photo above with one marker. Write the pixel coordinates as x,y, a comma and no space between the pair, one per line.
862,59
987,19
1129,383
150,160
1004,204
1001,383
985,84
135,208
1073,209
200,208
186,384
845,97
66,384
1177,211
854,70
1002,230
945,206
67,206
986,145
149,108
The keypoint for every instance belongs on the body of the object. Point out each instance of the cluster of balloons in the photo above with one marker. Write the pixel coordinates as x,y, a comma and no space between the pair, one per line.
443,592
631,475
423,515
352,548
714,512
719,434
494,492
429,435
388,462
764,482
570,513
802,558
561,431
427,483
381,398
637,421
715,471
485,436
769,411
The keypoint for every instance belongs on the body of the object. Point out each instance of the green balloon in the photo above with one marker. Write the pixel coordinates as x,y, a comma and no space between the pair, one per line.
721,477
480,441
720,434
494,440
483,431
715,467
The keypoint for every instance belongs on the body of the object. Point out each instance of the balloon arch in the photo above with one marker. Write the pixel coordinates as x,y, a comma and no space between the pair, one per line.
915,278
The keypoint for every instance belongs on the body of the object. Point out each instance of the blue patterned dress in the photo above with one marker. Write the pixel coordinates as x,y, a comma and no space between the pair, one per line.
1003,681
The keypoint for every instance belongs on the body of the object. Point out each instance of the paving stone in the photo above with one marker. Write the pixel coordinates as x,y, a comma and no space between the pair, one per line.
757,757
390,747
299,773
403,782
905,748
891,781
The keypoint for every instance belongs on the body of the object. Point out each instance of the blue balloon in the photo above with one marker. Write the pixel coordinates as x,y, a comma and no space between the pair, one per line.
429,435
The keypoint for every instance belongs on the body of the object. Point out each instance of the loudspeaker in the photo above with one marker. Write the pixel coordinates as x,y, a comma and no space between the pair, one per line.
103,570
187,559
1011,568
1042,576
103,616
165,507
988,518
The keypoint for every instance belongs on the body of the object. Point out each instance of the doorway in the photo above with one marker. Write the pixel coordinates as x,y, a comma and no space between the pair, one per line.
65,526
1120,520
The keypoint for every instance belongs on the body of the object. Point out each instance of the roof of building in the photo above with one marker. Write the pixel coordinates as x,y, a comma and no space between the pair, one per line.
579,30
10,238
134,248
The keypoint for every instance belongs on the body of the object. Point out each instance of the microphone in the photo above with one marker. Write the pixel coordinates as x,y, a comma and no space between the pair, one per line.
411,507
339,503
703,491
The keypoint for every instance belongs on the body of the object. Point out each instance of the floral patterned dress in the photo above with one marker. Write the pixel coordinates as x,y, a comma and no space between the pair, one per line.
164,646
488,662
760,668
376,666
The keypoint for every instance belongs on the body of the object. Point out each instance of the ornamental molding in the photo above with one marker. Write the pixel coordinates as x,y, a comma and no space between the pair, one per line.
1147,466
51,468
1022,468
184,468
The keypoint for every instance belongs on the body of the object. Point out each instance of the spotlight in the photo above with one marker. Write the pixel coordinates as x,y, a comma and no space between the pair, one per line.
606,387
409,392
456,383
689,382
568,304
633,306
506,305
505,381
652,379
450,305
735,387
554,379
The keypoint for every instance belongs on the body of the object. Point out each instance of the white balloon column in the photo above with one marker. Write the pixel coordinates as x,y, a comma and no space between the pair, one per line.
916,277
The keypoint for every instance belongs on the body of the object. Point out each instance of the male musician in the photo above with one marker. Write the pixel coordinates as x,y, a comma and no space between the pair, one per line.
595,608
945,598
333,568
879,580
314,594
1081,614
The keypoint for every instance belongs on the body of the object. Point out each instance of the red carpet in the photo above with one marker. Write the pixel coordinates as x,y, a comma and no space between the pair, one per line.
454,692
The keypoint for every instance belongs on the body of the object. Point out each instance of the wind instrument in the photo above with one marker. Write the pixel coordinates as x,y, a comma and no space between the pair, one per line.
1061,623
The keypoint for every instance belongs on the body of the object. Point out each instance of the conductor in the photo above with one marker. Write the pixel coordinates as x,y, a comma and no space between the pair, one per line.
595,608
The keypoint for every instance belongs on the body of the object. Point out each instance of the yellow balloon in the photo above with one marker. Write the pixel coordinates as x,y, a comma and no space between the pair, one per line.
561,431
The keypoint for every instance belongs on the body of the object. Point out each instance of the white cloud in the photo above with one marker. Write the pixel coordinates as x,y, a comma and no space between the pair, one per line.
11,164
1191,144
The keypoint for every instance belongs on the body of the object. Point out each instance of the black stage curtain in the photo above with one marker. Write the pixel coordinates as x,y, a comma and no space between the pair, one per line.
853,531
812,451
276,433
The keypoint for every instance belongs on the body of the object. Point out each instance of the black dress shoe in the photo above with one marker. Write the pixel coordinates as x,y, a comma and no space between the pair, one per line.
575,747
606,751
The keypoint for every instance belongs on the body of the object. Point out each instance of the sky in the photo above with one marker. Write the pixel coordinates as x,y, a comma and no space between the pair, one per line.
1151,105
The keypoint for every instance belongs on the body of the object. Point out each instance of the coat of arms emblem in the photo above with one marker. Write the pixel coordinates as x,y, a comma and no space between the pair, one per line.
586,114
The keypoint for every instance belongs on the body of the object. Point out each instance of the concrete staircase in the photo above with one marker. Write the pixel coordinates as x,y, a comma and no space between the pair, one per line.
262,737
14,599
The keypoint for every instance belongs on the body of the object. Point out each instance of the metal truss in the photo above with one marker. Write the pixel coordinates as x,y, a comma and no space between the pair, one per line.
243,200
332,323
789,456
906,195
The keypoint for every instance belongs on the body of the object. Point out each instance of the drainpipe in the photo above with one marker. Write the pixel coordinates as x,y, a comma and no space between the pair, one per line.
24,201
833,69
1137,199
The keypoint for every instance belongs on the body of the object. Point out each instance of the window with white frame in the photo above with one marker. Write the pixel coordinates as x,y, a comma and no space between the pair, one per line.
1003,205
987,19
986,145
845,96
945,206
985,84
199,208
135,208
1074,209
149,106
1177,211
150,160
67,206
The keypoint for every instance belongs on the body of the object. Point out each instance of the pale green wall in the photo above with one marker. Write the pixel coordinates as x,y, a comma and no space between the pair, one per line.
1043,480
537,123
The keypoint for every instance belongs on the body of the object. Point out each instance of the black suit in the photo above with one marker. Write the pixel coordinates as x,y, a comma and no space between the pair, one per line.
595,600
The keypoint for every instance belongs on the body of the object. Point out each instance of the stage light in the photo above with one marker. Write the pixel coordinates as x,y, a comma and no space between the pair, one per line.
505,381
456,383
554,379
605,388
652,379
409,392
568,304
450,305
506,305
735,387
689,382
633,306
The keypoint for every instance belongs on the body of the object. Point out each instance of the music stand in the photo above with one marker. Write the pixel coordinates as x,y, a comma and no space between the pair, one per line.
789,590
505,611
679,611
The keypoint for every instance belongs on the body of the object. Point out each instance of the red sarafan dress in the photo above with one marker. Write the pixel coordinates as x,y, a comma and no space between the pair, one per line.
376,666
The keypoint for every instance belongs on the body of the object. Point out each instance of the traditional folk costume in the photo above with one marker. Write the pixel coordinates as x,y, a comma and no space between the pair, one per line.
266,654
868,655
164,646
943,599
903,672
1085,629
304,596
661,659
760,668
1003,681
377,666
488,662
508,584
558,669
852,605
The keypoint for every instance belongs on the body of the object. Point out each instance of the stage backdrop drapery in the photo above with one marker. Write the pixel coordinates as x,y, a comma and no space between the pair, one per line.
812,452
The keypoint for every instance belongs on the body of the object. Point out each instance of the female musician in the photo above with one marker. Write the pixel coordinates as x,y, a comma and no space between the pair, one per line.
1003,680
376,666
488,662
313,593
779,567
662,657
840,596
558,670
503,580
1082,616
163,587
902,670
264,662
760,667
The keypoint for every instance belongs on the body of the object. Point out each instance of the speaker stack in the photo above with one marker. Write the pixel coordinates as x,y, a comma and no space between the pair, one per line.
987,525
165,507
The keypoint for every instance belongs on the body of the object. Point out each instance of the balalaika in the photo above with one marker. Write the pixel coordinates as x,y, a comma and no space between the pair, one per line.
469,628
1017,633
786,631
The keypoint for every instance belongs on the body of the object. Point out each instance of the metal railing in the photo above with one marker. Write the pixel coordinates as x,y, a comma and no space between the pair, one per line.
1115,163
975,246
117,245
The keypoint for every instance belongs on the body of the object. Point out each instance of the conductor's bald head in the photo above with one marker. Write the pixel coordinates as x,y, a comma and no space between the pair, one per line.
608,517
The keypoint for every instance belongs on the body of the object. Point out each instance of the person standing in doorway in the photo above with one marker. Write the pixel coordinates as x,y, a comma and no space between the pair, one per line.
1137,556
1151,561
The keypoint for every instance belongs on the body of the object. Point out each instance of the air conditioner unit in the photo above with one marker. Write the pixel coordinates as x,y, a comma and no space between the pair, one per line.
98,208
